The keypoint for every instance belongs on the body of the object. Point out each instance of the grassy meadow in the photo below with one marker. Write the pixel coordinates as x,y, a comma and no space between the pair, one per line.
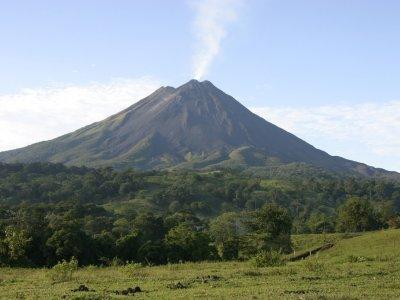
365,266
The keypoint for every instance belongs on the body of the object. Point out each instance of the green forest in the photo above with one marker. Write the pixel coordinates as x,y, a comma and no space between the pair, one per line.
50,213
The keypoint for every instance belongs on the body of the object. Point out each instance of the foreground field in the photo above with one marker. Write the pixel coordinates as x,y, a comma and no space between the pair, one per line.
357,267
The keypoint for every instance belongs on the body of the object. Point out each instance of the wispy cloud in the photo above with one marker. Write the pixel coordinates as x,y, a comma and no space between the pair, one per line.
33,115
210,27
366,132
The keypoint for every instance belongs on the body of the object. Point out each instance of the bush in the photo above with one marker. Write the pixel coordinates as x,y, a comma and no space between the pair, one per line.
268,259
131,267
64,270
135,270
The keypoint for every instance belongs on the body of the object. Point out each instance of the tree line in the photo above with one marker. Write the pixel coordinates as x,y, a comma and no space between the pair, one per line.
44,234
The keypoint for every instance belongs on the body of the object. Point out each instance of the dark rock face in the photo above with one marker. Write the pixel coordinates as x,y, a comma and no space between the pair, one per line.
194,126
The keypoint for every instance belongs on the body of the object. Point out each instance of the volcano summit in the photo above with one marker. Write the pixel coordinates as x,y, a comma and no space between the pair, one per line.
193,126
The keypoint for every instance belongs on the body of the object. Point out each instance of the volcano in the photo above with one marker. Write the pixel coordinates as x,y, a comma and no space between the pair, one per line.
193,126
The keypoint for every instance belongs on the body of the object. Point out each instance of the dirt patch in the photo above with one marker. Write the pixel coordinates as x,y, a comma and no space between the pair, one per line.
198,279
207,278
300,292
82,288
310,278
129,291
178,286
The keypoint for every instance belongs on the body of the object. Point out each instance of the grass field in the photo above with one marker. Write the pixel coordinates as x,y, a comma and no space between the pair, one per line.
366,266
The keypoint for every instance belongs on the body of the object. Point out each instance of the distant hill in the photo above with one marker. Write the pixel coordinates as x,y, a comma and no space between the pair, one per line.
193,126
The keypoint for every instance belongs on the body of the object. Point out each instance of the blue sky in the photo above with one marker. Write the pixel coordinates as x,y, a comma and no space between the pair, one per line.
326,70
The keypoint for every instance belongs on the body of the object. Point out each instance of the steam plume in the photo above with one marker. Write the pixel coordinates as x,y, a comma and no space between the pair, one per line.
212,19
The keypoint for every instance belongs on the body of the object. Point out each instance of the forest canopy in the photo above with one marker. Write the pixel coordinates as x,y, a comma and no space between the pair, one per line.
50,212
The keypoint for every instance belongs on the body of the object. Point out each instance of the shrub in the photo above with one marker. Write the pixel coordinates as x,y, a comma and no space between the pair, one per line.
64,270
131,267
134,270
268,259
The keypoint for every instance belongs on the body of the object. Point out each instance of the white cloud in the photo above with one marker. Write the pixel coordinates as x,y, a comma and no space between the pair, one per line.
212,18
367,132
33,115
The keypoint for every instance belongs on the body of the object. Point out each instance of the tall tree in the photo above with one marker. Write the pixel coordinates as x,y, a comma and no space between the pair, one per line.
357,214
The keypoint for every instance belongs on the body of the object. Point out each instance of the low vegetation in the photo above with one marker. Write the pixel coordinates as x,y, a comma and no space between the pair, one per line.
64,270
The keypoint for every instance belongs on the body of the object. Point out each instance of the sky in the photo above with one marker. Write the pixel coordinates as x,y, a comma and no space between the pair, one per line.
325,70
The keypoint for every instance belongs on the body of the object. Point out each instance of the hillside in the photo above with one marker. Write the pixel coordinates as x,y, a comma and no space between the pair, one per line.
193,126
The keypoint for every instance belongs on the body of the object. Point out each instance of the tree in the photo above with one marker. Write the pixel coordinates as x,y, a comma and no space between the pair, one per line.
357,214
225,231
104,247
16,242
274,227
184,243
150,227
32,221
257,200
69,240
183,216
127,247
152,252
320,223
121,227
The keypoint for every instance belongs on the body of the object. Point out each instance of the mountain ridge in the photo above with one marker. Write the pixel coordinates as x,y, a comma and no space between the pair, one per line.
195,125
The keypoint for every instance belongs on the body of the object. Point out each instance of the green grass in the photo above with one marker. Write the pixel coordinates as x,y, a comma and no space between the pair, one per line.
361,267
304,242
